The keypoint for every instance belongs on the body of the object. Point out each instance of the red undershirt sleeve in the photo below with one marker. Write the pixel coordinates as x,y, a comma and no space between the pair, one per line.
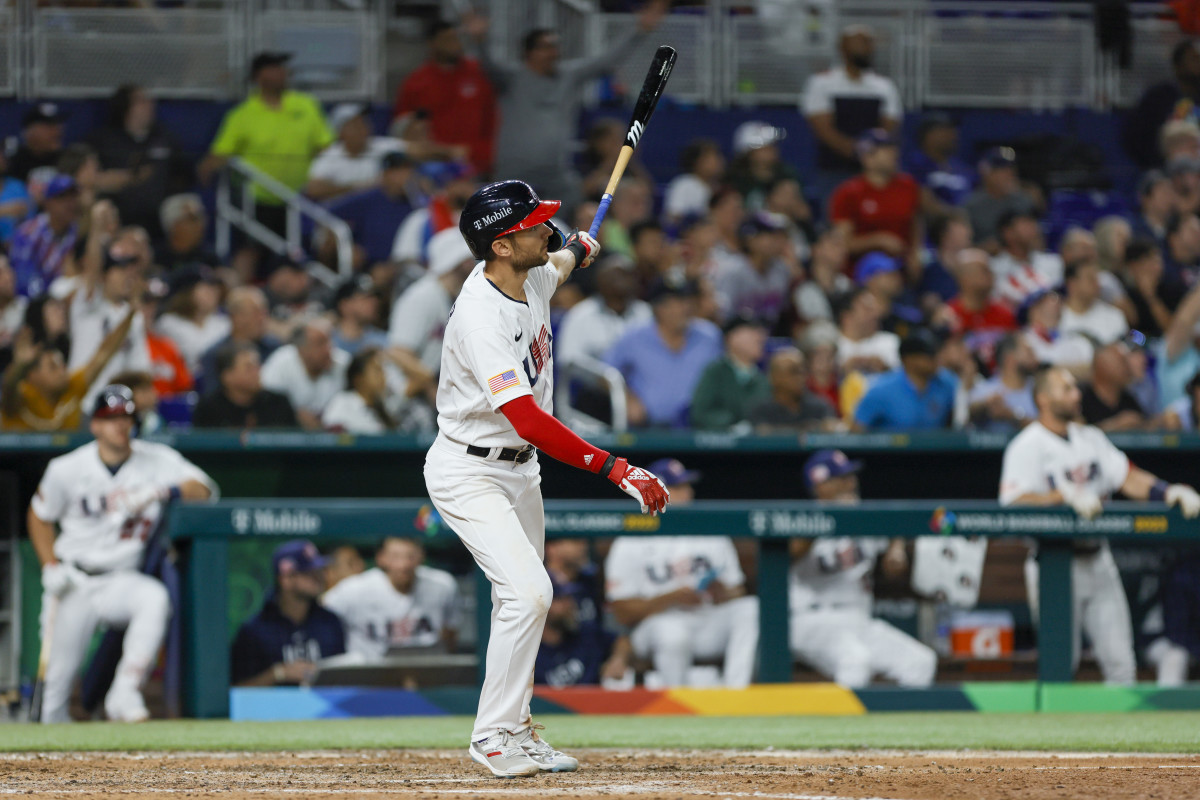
550,436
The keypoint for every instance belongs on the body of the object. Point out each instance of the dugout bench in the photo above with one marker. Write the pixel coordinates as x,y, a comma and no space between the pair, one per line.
203,533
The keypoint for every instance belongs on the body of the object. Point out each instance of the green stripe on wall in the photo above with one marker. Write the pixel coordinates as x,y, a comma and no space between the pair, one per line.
1002,697
1098,697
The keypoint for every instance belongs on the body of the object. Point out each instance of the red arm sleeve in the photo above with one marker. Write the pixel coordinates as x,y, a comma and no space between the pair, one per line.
550,436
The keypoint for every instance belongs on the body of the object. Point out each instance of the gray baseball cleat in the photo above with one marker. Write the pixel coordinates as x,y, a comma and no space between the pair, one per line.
546,757
503,756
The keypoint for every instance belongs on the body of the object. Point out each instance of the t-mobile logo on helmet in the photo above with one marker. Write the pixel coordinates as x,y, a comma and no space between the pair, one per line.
488,219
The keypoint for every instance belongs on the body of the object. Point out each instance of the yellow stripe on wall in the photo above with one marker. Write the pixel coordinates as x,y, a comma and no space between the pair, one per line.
766,700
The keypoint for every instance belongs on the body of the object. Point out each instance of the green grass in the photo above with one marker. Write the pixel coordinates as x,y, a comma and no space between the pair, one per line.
1157,731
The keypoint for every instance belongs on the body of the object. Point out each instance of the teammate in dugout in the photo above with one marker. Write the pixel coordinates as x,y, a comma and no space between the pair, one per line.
829,594
106,498
494,401
1057,460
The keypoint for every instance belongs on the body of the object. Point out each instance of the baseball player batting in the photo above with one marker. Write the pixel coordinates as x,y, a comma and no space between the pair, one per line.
1057,460
494,402
106,497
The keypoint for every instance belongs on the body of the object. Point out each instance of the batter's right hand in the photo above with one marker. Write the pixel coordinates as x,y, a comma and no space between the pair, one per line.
1086,503
642,485
59,578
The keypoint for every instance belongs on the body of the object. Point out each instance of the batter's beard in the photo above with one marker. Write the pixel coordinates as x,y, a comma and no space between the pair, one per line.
524,264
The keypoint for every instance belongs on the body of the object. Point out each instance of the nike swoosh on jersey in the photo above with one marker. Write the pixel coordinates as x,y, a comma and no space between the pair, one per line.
517,338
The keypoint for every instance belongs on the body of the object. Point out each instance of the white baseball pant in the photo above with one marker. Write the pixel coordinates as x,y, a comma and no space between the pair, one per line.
1100,609
495,507
674,639
130,599
850,647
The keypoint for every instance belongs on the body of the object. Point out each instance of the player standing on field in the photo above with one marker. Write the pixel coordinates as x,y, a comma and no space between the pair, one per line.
494,401
106,497
1056,460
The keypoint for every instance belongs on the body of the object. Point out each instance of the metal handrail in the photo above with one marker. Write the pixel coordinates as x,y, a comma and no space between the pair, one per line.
594,373
242,217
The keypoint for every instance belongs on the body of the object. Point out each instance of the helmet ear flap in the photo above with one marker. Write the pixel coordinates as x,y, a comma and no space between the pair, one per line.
557,237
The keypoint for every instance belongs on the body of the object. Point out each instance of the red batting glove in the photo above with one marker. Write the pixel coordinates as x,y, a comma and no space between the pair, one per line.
583,246
642,485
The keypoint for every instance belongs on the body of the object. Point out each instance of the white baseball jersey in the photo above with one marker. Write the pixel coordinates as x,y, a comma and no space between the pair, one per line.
92,317
1038,461
74,493
377,617
836,572
648,566
495,349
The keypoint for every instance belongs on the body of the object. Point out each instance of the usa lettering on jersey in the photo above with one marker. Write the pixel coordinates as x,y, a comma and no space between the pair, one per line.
663,573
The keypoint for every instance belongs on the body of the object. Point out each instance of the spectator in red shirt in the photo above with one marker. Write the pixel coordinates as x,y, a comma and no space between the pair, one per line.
974,312
878,210
456,94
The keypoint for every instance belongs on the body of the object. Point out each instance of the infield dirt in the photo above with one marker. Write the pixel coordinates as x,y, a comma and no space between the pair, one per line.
647,775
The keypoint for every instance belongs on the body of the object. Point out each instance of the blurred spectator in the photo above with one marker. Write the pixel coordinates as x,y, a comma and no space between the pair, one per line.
360,408
1185,184
1144,385
282,644
589,329
40,393
733,383
240,401
309,371
1106,401
1178,648
1176,355
1184,413
341,563
880,275
1083,311
455,184
1181,256
998,194
945,179
247,310
758,164
79,163
375,215
577,649
843,103
353,162
955,357
702,166
140,161
791,408
696,252
861,346
12,305
652,253
400,603
456,94
276,130
1162,102
632,205
36,157
1179,138
419,315
603,141
826,280
42,245
1041,316
46,319
1112,235
784,197
819,345
878,209
830,594
1004,402
145,399
183,222
918,396
1077,244
1156,203
976,314
1023,267
292,295
1154,300
727,213
535,136
950,235
100,304
15,203
193,318
684,597
758,285
170,372
662,361
355,311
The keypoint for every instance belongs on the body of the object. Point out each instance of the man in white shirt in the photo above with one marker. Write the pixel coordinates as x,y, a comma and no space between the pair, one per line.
1041,314
1057,461
1022,267
400,603
309,372
419,315
702,166
1084,312
353,162
862,347
846,101
592,325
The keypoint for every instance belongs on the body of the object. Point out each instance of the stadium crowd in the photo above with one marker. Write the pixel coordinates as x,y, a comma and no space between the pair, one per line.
874,290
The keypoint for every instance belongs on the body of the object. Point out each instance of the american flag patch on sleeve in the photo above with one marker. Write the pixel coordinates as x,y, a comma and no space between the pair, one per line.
498,383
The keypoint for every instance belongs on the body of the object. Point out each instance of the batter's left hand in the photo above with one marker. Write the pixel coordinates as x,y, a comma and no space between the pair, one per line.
1184,496
642,485
583,246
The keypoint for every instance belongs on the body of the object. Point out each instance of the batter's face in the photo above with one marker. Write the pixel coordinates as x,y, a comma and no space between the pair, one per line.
1061,398
530,247
842,489
113,433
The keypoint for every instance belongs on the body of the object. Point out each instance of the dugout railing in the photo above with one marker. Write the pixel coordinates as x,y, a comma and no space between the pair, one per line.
204,534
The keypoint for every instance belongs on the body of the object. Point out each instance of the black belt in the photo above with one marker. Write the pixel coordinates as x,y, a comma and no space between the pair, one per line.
88,571
519,455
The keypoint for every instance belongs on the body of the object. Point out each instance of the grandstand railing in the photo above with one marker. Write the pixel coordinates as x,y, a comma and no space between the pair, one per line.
207,529
241,215
597,374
